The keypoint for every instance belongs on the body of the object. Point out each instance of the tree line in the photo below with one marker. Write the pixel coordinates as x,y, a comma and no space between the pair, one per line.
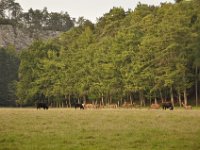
146,55
12,13
9,64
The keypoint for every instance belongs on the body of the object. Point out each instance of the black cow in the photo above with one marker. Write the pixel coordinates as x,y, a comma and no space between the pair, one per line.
81,106
42,105
167,105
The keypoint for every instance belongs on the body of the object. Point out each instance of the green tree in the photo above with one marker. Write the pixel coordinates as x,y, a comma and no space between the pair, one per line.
9,64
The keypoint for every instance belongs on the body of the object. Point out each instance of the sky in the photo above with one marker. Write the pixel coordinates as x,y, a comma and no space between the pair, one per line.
89,9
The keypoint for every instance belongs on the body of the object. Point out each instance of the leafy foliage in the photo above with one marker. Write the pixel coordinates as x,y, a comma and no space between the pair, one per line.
9,64
151,52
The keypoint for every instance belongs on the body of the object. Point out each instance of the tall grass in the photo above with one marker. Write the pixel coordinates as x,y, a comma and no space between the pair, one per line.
106,129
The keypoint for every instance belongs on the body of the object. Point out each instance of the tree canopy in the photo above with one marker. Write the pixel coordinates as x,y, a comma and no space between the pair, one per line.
150,53
12,13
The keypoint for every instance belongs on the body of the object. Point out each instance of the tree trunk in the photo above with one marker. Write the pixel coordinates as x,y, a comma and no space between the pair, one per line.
69,101
102,99
131,100
161,96
62,105
185,96
121,101
110,101
155,101
179,98
165,95
142,101
172,95
66,103
150,98
84,99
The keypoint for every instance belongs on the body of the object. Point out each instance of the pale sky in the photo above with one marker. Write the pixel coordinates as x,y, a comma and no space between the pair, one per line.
89,9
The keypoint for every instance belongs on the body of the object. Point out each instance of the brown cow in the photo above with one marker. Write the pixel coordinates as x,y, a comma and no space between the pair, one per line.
89,106
111,105
98,106
127,105
186,106
155,106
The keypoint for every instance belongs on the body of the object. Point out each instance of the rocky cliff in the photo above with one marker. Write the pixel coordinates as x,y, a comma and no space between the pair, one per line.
22,38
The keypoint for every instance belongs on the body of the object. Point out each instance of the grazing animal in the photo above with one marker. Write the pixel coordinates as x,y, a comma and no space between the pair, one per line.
81,106
186,106
127,105
155,106
88,106
167,105
99,106
111,106
42,105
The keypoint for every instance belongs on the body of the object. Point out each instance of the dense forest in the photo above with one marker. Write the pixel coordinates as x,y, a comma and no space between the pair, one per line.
146,55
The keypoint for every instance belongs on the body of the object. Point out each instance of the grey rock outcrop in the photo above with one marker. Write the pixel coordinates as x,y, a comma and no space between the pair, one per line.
22,38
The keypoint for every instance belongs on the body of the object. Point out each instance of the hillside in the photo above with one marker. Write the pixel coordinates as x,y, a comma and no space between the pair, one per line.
22,38
20,28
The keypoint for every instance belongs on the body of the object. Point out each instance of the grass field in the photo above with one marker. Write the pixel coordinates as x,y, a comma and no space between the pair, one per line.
106,129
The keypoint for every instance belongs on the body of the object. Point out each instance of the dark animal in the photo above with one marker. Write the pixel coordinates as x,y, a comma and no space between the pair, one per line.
167,105
81,106
42,105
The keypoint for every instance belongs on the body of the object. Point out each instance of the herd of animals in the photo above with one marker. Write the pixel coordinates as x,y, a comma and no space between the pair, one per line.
165,105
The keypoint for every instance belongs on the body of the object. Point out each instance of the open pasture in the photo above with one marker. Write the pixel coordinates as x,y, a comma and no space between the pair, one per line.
104,129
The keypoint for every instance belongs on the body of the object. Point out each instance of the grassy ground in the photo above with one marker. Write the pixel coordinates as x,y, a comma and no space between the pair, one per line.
119,129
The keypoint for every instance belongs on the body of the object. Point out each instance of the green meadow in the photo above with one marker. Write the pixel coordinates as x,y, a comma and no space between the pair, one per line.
103,129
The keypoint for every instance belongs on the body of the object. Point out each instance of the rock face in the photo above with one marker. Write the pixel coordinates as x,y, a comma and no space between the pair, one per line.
22,38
